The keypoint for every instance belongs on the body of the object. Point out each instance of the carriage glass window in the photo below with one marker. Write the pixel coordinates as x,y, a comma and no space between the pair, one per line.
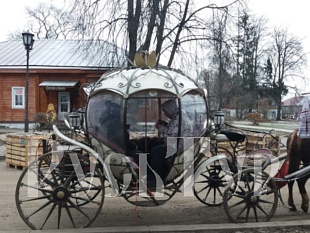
105,119
141,117
143,110
194,107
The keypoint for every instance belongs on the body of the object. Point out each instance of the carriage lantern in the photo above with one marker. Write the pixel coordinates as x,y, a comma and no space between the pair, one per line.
74,120
81,112
219,118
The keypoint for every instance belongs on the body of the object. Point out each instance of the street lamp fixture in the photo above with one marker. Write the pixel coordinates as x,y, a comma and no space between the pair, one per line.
28,43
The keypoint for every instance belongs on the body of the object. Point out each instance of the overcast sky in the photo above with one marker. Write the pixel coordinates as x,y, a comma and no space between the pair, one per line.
294,15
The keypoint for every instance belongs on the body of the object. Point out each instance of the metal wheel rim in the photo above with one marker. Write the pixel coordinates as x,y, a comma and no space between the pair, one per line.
59,200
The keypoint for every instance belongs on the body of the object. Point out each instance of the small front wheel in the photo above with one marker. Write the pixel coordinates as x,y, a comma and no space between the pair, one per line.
251,196
210,185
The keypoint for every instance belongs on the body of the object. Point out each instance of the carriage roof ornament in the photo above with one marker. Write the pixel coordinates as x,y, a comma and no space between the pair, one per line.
144,75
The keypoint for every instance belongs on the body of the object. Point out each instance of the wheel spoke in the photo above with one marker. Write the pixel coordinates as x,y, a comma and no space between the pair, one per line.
247,213
78,208
41,208
54,177
70,215
48,215
241,212
261,209
51,171
59,215
214,195
203,189
36,198
85,199
236,204
237,184
207,194
206,177
69,179
237,193
43,178
202,182
220,192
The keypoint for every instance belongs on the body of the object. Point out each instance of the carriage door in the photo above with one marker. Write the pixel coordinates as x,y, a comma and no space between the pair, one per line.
63,104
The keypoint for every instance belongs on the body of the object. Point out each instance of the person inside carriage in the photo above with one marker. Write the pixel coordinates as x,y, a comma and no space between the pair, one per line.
110,121
160,153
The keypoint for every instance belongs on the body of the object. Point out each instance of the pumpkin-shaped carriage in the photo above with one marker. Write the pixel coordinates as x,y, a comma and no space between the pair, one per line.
121,149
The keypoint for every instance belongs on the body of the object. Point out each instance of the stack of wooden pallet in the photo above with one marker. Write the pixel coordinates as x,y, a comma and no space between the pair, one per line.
252,142
22,148
261,140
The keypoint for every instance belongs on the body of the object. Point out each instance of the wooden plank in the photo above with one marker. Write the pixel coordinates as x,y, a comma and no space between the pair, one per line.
262,140
15,162
23,148
16,148
33,151
8,160
18,158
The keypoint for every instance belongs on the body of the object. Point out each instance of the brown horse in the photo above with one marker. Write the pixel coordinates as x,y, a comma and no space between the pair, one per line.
298,150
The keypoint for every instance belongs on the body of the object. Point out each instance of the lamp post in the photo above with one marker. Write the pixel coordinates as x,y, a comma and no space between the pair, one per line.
28,43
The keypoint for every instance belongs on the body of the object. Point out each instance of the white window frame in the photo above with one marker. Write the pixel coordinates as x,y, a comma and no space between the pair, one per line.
14,105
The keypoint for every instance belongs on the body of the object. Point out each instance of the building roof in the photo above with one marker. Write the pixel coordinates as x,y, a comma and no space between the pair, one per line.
51,53
294,101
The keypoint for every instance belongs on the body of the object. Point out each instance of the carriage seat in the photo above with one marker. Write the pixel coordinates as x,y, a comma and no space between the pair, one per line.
260,157
233,136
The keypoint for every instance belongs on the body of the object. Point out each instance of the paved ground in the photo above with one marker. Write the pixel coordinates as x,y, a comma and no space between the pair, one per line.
180,214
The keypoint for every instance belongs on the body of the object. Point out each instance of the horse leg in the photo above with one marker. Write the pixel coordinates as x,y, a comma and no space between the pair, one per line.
293,156
302,190
290,196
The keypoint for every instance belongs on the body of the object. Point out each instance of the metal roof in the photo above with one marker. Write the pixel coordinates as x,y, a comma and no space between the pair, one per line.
51,53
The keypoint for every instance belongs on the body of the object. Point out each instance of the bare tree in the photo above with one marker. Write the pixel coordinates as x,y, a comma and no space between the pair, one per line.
168,27
286,59
47,21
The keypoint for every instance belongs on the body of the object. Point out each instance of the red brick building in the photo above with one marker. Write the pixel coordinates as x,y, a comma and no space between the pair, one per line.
57,71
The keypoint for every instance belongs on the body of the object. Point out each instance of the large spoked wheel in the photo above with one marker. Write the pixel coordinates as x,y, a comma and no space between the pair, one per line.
251,196
60,190
210,185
